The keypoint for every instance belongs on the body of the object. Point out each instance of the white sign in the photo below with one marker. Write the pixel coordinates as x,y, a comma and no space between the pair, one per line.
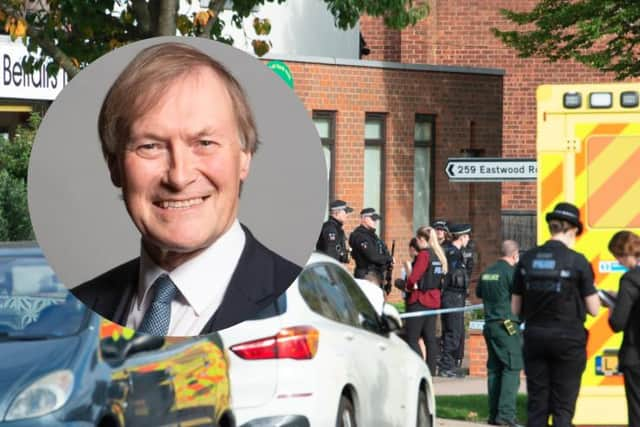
611,267
491,169
15,83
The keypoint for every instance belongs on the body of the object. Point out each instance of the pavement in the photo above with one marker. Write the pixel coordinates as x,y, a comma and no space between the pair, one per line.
461,386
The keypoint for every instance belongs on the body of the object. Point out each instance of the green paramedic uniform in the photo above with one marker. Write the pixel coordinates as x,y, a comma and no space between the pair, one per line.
504,349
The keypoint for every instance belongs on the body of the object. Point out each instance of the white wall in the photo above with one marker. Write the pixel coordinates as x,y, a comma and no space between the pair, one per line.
298,27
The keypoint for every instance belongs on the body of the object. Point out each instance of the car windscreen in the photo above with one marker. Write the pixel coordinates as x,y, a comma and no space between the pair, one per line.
33,302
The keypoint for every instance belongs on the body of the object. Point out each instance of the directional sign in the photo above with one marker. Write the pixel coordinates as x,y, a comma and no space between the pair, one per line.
490,169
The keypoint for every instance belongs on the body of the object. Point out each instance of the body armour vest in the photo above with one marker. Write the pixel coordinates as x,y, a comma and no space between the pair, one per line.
432,278
551,289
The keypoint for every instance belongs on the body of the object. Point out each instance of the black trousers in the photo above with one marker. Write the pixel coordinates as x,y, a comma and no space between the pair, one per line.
632,390
425,327
554,359
452,330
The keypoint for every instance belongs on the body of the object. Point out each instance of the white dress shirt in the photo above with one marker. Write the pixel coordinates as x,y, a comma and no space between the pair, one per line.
201,282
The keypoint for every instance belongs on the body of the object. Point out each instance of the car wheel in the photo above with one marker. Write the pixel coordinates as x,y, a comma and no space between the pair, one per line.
346,413
424,418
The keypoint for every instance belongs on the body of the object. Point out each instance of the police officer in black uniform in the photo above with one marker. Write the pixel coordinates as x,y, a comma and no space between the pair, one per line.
369,252
332,240
454,293
553,291
442,231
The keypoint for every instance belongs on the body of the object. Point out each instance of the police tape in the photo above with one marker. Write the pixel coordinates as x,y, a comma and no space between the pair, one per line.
441,311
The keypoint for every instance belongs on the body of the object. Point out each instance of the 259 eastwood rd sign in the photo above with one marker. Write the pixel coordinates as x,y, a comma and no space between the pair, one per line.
490,169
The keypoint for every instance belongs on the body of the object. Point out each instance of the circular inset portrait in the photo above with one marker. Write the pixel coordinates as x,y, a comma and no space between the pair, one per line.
177,186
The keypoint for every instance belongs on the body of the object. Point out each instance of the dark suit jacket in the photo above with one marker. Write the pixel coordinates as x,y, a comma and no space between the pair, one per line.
259,278
625,316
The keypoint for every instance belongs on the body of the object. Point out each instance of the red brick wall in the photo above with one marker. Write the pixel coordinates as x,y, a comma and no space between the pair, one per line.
459,33
477,350
456,100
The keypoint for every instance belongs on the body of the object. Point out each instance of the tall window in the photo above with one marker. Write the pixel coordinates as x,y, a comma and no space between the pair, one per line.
325,125
374,136
422,170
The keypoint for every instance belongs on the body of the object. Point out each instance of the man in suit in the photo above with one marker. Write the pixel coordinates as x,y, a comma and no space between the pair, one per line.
178,135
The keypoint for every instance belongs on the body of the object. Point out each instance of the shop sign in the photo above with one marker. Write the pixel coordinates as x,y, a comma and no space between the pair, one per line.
16,83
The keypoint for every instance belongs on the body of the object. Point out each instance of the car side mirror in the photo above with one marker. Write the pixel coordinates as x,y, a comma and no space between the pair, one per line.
391,317
110,349
140,343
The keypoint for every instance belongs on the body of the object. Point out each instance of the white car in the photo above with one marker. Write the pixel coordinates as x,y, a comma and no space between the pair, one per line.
322,355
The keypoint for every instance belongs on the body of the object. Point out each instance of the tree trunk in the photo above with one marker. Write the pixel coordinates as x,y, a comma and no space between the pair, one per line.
168,10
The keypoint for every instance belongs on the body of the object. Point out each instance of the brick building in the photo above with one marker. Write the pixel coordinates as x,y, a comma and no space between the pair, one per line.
388,129
459,33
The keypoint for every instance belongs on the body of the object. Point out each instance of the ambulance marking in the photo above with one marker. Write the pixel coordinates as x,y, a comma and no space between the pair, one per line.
606,155
551,187
615,186
624,210
635,222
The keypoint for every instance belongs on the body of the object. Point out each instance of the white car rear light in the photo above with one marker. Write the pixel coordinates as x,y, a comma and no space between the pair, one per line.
298,342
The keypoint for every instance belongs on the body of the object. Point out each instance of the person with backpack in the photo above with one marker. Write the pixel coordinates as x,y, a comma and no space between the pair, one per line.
423,286
553,290
454,293
625,316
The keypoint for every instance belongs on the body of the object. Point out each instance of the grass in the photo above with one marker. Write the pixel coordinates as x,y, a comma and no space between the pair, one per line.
474,407
398,305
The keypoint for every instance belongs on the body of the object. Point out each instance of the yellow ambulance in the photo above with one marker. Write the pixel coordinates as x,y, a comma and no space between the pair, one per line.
588,151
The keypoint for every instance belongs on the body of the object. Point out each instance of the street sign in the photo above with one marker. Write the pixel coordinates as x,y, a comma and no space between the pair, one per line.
490,169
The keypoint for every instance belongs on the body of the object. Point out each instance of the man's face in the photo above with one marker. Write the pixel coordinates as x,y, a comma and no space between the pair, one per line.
440,234
340,215
181,170
369,222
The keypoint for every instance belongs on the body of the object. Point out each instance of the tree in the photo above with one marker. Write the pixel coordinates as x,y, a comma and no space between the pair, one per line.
14,163
603,34
76,32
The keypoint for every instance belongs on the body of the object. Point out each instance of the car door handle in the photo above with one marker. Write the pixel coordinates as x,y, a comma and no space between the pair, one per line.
349,336
382,346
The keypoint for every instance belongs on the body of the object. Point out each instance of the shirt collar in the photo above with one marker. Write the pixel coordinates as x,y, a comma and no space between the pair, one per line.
203,280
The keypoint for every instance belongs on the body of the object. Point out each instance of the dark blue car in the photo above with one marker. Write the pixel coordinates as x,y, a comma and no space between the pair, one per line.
63,365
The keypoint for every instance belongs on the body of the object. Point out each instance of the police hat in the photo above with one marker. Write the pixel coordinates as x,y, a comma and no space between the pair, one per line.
337,205
566,212
440,224
460,229
370,212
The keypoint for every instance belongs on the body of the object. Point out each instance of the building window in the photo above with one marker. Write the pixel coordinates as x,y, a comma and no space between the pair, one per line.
325,125
422,170
374,136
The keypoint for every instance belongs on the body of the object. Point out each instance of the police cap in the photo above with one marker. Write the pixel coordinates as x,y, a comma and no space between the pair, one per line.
566,212
337,205
440,224
460,229
370,212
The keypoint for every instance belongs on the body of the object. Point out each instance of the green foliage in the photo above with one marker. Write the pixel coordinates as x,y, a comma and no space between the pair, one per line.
14,163
76,32
14,222
14,153
474,407
603,34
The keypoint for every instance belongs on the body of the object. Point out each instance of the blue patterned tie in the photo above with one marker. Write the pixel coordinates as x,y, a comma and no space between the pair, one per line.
158,316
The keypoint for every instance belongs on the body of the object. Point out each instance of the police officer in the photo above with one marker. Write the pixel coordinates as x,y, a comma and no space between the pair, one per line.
368,251
454,292
332,240
553,290
502,336
442,231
